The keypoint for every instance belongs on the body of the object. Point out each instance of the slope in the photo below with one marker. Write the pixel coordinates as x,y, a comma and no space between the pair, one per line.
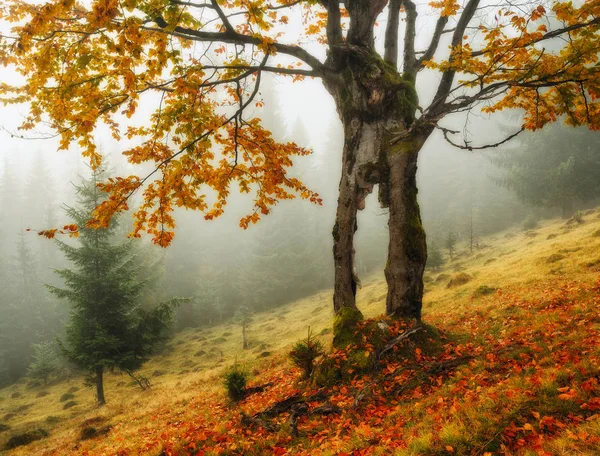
517,371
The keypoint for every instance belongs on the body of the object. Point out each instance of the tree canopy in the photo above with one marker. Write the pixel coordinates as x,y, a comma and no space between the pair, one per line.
200,65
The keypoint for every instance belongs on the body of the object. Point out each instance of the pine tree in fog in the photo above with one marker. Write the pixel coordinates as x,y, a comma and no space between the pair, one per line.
109,325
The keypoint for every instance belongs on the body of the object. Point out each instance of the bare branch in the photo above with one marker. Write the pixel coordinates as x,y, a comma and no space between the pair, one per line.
435,41
334,24
391,33
410,59
446,132
448,76
222,16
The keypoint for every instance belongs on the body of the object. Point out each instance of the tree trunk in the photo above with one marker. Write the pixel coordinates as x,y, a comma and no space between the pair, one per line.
100,385
244,339
361,153
407,250
376,104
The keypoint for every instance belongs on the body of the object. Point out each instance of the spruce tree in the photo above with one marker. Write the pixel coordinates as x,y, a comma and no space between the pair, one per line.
435,260
555,167
109,326
45,361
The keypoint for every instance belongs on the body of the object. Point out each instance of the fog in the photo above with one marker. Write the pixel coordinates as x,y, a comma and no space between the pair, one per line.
215,263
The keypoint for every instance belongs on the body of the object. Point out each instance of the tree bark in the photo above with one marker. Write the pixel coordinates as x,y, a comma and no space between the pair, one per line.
100,385
362,142
376,105
407,249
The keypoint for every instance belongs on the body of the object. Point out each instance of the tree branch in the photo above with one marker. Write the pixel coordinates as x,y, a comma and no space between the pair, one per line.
446,132
236,38
553,34
391,33
410,59
448,76
435,41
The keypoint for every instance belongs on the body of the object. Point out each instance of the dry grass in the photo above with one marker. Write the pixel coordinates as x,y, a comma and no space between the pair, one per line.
190,383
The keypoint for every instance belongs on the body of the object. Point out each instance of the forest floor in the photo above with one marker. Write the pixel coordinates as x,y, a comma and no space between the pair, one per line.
516,371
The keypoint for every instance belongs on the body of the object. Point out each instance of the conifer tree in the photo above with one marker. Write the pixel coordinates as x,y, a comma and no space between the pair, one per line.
45,361
555,167
435,260
109,326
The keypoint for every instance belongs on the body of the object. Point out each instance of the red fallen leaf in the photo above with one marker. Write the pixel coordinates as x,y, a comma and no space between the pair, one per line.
278,451
592,404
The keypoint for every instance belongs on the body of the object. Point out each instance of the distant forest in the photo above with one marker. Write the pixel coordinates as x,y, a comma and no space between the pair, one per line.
221,267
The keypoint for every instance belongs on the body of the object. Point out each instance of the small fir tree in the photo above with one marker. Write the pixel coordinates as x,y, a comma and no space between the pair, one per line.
243,316
109,327
450,244
45,361
435,260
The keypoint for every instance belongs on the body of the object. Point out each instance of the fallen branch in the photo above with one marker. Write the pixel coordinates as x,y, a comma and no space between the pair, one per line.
256,389
397,340
250,421
281,406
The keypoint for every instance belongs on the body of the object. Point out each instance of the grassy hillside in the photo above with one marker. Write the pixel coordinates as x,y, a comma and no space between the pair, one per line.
517,371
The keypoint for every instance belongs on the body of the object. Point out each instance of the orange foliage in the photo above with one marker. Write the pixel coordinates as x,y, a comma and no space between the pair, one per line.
86,64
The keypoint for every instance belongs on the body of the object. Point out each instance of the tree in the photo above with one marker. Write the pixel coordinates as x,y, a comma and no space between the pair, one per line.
45,361
553,168
109,325
435,260
243,316
113,55
450,243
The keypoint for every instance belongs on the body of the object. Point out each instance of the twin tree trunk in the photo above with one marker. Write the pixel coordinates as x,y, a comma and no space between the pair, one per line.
377,107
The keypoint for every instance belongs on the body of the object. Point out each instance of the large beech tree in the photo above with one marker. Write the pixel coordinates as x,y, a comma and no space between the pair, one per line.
186,73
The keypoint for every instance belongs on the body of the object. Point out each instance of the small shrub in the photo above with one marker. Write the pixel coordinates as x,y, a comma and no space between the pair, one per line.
91,432
26,438
459,279
304,354
15,395
577,218
554,258
73,389
4,427
530,223
484,290
42,394
235,383
596,233
65,397
69,404
158,373
441,278
551,236
52,419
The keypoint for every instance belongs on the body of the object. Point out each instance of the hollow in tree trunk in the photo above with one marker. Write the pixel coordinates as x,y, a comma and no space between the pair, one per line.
377,106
